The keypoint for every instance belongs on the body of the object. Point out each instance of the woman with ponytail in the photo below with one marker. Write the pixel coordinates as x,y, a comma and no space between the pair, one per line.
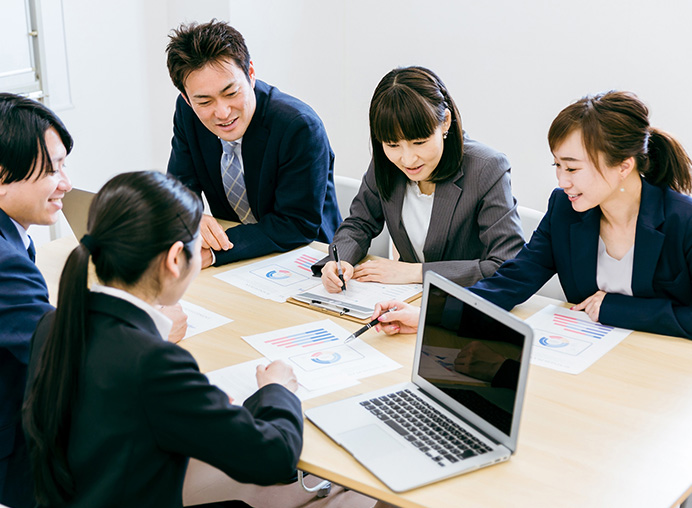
618,231
112,410
446,199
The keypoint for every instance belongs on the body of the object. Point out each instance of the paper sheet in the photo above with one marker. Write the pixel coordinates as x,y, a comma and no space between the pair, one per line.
360,297
568,341
200,319
276,278
239,382
317,352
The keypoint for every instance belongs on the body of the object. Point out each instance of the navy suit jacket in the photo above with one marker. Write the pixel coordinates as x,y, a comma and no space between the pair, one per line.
289,174
144,408
23,300
566,242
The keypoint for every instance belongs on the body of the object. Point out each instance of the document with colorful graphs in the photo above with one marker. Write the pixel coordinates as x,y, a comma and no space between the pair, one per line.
317,353
277,277
569,341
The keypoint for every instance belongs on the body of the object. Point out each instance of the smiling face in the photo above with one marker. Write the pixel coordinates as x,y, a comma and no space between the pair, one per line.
223,98
417,158
578,176
39,199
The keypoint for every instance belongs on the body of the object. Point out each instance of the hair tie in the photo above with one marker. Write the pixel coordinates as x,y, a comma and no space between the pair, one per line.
90,243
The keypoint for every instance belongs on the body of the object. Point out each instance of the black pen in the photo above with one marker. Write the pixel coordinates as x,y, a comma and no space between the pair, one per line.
338,266
367,327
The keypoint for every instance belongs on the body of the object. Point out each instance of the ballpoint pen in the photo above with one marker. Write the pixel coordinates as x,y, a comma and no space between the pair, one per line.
338,266
367,327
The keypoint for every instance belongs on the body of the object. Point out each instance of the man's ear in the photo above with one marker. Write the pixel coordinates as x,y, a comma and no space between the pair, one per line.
174,260
186,99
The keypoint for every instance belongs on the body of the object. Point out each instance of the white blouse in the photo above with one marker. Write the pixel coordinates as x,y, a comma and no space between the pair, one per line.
614,275
416,211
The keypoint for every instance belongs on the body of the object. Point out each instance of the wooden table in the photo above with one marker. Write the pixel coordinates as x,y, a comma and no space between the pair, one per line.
616,435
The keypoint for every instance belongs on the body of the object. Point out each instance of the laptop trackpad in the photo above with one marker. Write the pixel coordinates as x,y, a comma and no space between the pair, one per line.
369,440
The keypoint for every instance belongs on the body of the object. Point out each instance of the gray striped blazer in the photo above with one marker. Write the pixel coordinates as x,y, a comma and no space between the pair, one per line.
474,226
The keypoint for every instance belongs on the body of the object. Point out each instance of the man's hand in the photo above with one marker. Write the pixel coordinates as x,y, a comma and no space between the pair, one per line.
175,313
213,235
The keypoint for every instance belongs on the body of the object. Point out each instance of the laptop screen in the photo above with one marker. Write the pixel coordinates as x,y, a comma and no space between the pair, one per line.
472,357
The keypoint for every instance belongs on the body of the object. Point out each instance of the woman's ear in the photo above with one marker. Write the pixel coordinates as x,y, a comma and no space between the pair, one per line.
447,121
626,167
175,261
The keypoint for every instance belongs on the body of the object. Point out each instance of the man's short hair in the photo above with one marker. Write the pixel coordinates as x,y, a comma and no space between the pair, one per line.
23,126
193,46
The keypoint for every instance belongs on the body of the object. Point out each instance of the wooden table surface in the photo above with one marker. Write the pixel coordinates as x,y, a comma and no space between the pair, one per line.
615,435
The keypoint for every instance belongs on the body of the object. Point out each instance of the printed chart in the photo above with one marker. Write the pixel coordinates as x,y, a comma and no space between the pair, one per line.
276,278
569,341
318,355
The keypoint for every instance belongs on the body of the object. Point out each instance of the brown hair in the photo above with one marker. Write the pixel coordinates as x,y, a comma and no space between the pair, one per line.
194,46
616,124
410,103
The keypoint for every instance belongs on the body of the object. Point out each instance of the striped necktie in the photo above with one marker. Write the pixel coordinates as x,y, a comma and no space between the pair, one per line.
234,183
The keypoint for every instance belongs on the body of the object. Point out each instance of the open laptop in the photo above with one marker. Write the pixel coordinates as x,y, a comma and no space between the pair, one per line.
450,419
75,207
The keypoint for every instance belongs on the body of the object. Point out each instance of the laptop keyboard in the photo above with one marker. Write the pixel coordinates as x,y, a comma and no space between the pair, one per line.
425,427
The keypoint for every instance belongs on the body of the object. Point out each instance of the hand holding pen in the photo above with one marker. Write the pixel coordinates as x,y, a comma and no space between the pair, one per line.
338,266
367,327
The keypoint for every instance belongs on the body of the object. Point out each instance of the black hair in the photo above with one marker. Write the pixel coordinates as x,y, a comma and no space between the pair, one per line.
410,103
23,126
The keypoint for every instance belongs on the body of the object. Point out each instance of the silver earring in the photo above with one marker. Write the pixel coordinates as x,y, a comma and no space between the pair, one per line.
444,135
622,189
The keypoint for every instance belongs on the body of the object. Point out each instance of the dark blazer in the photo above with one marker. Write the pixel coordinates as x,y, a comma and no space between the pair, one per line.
144,408
566,242
474,225
23,300
289,174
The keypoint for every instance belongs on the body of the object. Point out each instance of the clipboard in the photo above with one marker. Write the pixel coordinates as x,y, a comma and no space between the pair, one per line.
358,302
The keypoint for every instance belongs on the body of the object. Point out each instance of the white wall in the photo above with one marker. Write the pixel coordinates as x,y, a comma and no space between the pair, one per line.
511,66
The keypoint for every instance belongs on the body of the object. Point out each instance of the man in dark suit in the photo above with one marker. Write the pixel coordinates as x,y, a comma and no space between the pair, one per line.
33,147
261,157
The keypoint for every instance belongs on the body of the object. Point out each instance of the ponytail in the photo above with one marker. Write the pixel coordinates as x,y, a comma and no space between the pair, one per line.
669,165
48,406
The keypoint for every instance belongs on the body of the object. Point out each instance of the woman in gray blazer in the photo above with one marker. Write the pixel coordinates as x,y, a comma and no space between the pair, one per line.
446,199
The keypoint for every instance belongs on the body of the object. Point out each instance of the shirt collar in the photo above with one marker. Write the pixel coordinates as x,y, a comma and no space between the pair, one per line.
238,143
22,233
162,323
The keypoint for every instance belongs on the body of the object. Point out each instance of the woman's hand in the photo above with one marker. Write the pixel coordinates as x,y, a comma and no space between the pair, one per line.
402,320
277,372
592,305
330,276
389,272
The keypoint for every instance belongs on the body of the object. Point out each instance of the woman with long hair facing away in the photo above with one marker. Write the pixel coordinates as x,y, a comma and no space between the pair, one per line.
618,231
446,199
113,411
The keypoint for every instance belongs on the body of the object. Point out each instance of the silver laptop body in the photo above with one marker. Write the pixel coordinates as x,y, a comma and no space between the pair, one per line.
484,400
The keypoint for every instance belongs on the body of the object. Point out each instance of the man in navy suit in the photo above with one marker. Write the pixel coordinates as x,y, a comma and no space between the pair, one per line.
33,147
261,157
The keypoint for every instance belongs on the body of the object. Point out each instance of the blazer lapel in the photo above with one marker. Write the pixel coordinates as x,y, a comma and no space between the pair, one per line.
392,211
447,195
254,146
648,241
584,251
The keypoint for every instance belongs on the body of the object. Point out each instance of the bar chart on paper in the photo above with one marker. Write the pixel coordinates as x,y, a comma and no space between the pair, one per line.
317,349
569,341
